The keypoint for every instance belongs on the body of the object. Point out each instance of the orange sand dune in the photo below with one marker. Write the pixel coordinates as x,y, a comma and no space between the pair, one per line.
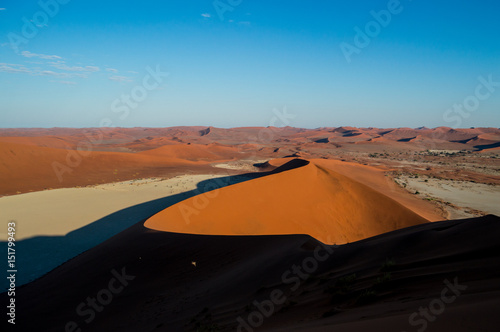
375,178
149,143
377,139
45,141
490,150
29,167
480,140
306,200
489,137
208,152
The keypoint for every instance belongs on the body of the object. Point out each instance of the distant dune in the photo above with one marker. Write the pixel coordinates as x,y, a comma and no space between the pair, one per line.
29,167
28,154
308,199
194,152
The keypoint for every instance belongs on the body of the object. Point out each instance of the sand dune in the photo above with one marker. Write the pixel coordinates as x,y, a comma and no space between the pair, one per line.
201,261
28,155
45,141
28,167
308,199
376,179
205,135
166,292
57,225
195,152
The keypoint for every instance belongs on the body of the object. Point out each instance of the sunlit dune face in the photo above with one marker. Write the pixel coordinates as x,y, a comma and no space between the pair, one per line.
28,167
309,199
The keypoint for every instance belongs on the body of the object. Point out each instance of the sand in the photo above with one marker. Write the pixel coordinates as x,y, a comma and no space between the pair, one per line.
168,293
378,179
54,226
463,194
32,168
117,154
304,198
60,211
229,252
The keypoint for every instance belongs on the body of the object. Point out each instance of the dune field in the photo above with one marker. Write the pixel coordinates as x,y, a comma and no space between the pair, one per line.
211,229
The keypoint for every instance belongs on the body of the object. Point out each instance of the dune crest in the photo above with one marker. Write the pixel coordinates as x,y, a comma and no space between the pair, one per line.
308,199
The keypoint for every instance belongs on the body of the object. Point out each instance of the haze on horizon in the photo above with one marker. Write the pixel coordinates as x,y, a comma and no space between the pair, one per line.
236,63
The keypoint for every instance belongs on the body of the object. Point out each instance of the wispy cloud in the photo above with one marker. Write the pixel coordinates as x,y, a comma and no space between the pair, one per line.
63,66
65,82
14,68
3,8
120,78
36,66
22,69
57,74
247,23
52,73
206,15
28,54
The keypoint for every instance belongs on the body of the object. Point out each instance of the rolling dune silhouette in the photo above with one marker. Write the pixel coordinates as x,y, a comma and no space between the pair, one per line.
299,198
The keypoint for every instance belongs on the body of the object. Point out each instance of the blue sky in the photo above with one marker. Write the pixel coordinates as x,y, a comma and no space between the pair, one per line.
231,64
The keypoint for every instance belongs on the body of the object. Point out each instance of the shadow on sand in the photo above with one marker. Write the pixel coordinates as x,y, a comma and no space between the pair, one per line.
41,254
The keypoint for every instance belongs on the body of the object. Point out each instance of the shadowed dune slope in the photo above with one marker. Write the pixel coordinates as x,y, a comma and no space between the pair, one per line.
309,200
164,291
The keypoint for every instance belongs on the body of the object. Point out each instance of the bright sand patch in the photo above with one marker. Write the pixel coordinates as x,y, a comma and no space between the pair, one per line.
464,194
54,226
60,211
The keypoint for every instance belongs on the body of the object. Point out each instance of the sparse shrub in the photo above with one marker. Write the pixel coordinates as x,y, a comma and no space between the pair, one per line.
343,286
367,296
388,265
383,279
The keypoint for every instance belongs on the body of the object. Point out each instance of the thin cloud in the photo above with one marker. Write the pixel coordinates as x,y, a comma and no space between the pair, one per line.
14,68
63,66
52,73
22,69
113,70
28,54
57,74
206,15
120,78
92,68
65,82
3,8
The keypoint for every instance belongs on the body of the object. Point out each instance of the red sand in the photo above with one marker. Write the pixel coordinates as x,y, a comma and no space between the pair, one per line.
306,200
28,167
376,179
28,154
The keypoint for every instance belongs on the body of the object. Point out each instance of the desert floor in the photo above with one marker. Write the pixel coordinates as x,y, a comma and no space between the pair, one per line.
373,196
